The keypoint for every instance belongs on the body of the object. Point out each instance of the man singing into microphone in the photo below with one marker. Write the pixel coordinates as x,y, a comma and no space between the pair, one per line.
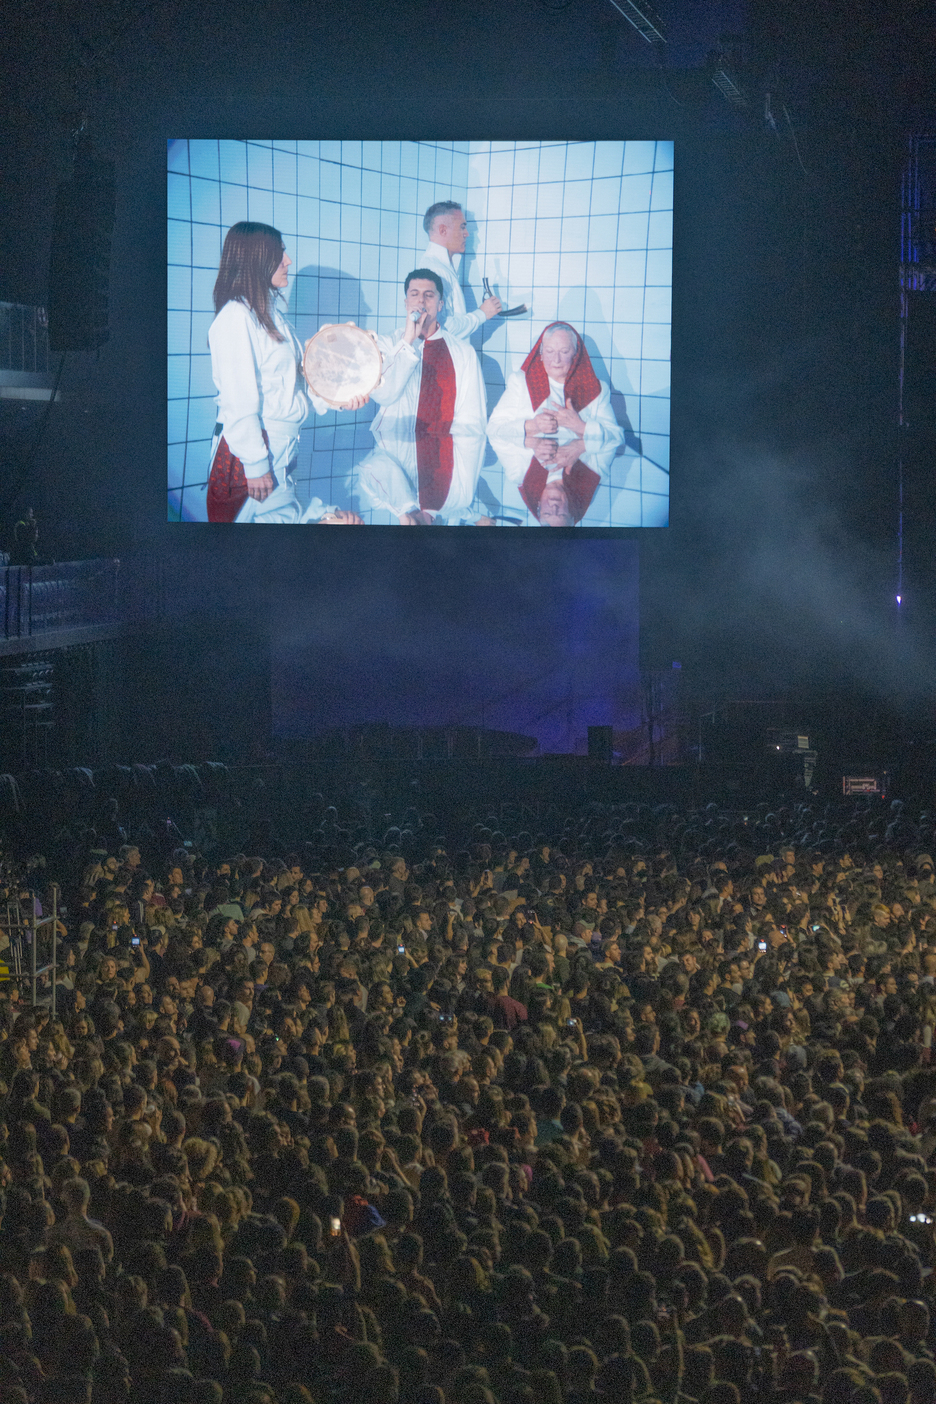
430,425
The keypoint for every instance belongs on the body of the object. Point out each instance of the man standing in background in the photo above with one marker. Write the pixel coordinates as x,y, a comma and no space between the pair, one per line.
447,228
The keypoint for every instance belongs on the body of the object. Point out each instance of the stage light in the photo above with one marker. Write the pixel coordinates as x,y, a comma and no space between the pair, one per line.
646,22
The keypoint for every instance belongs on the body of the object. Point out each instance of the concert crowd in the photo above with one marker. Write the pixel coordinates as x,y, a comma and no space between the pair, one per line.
631,1105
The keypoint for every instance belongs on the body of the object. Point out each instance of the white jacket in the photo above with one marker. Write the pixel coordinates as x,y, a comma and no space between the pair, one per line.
513,409
387,479
260,384
398,391
457,321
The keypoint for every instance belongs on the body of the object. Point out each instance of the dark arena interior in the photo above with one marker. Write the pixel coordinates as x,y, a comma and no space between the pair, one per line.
477,968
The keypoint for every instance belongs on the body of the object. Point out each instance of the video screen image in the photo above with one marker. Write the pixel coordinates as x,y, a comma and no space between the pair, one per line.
392,333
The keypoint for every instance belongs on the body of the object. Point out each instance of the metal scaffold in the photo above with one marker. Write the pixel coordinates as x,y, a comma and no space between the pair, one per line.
24,932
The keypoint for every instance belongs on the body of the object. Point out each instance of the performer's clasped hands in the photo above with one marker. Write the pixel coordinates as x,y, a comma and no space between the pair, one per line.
555,417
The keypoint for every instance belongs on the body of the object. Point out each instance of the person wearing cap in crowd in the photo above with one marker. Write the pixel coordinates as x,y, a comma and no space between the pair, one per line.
926,883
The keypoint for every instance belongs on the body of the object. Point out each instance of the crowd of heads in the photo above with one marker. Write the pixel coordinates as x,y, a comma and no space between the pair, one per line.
631,1105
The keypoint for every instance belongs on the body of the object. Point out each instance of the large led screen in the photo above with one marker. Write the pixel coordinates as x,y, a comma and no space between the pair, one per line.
551,411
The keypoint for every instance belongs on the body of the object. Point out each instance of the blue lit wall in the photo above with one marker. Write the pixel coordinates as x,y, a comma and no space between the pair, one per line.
580,231
419,639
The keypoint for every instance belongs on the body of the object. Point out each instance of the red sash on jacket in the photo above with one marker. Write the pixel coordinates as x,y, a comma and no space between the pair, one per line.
434,415
227,483
581,384
581,387
579,481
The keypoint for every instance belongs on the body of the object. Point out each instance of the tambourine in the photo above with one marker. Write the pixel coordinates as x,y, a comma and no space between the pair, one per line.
340,362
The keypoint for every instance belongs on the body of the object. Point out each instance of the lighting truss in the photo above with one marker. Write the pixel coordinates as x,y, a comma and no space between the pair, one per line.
646,22
728,88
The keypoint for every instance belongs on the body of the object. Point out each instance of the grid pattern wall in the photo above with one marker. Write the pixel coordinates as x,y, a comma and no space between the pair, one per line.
582,232
578,231
351,215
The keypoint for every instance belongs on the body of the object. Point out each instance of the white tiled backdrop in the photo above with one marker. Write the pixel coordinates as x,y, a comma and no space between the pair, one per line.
579,231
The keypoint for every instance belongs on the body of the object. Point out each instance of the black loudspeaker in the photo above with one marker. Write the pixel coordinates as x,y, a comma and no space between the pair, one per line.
79,267
599,744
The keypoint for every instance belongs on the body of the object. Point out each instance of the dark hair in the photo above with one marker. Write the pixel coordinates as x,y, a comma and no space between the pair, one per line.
425,273
440,207
251,255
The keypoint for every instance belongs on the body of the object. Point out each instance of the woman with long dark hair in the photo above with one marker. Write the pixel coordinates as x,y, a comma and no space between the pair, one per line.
263,400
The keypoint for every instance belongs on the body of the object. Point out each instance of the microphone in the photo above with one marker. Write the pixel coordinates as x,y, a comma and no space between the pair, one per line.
415,314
